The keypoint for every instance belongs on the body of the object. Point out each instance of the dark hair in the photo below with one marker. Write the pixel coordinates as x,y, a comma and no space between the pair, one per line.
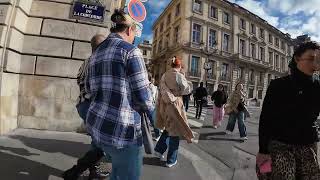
221,85
201,84
94,41
119,19
302,48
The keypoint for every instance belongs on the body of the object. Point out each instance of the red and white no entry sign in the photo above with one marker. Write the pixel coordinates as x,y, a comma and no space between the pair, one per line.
137,10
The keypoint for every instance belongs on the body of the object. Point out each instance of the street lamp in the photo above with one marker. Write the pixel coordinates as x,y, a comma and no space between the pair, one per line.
207,65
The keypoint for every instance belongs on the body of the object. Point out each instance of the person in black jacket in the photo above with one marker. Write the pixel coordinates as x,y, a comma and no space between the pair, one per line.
200,98
220,99
288,134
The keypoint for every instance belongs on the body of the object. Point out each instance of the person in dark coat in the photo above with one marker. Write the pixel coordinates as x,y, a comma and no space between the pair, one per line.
201,98
220,99
288,134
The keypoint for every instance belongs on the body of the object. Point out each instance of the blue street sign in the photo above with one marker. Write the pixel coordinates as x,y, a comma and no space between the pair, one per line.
88,11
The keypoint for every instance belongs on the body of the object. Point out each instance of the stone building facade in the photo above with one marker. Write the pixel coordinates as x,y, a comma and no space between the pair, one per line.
146,50
236,44
42,49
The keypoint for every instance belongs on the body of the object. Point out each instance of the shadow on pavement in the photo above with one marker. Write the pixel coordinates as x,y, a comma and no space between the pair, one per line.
19,151
208,136
225,139
153,161
70,148
18,168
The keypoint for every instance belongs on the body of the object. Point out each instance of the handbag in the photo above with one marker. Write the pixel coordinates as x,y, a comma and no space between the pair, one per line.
146,134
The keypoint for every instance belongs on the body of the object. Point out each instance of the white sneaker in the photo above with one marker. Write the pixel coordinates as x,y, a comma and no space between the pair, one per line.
244,138
228,132
215,127
158,155
172,164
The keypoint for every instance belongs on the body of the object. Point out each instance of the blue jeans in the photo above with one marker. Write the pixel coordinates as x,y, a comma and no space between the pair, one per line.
126,162
162,146
153,122
233,117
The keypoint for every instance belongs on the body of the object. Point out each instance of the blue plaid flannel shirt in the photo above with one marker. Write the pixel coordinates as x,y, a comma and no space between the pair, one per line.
118,83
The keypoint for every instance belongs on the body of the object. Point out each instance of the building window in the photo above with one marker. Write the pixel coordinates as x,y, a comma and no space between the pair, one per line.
260,94
161,27
261,33
277,60
176,34
226,39
224,71
197,6
253,29
178,9
242,47
283,64
212,38
270,39
169,19
253,50
156,33
144,52
277,42
212,71
241,73
243,24
196,33
250,95
160,45
194,66
282,45
213,12
261,78
269,78
251,75
167,40
262,54
226,18
271,58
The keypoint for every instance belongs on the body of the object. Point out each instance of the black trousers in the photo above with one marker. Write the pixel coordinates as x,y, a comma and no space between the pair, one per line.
90,159
199,108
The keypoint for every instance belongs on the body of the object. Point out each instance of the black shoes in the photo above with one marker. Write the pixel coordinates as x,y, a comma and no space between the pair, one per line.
75,172
95,173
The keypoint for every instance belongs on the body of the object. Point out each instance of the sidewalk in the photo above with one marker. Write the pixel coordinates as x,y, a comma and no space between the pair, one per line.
41,155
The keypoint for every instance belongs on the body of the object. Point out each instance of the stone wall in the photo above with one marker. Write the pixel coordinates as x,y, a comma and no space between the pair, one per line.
44,49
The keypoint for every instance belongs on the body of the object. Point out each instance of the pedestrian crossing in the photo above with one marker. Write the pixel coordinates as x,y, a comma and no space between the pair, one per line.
195,123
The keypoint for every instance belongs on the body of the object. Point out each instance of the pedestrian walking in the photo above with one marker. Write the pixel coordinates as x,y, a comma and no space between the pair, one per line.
118,83
186,99
288,133
154,92
194,98
201,99
220,99
237,111
170,115
91,159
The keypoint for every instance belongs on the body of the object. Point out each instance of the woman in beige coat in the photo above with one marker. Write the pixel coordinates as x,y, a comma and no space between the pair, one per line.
171,116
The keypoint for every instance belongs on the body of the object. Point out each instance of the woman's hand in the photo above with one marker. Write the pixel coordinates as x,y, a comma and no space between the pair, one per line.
262,158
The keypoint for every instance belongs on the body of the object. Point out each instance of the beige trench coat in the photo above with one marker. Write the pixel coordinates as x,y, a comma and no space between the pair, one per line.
170,113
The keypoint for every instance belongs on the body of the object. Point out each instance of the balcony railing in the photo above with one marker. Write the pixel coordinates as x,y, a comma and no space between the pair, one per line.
194,74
